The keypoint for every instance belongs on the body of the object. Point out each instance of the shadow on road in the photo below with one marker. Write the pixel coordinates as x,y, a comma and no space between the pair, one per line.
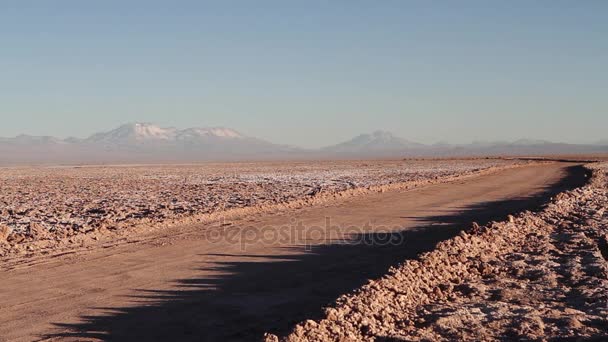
272,294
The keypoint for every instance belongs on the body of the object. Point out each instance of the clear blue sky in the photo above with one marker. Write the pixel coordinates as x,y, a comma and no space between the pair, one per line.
308,72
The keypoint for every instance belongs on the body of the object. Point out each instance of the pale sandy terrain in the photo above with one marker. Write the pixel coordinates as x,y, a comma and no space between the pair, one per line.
191,283
537,276
42,209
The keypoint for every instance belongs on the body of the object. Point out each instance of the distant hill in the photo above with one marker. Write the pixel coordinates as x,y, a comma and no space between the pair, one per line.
150,143
385,144
199,142
522,147
378,142
142,143
146,133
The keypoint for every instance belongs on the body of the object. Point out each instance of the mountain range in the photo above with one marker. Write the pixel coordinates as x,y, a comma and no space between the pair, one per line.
146,142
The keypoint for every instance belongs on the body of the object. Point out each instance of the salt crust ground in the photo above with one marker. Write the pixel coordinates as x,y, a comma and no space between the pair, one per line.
43,209
537,276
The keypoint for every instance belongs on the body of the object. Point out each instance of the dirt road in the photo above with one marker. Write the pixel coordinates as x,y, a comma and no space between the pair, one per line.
196,286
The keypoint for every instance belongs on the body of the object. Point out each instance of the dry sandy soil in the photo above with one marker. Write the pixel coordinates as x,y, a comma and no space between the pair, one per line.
537,276
54,207
262,272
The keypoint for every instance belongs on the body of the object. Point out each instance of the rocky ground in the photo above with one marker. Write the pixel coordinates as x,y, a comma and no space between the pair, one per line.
538,276
57,203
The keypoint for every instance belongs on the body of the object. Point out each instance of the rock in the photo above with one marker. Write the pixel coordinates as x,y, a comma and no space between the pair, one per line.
475,228
271,338
572,323
5,231
16,238
37,231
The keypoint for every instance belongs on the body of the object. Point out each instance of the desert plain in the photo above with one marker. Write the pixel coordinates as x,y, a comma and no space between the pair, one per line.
50,205
430,249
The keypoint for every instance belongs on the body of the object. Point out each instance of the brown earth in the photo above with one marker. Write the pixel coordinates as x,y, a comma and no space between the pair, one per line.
539,276
46,209
195,284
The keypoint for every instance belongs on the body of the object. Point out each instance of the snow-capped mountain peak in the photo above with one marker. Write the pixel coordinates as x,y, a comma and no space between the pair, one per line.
208,132
134,132
145,131
139,132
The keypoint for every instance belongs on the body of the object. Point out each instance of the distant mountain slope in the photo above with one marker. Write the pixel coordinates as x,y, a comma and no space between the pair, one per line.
24,139
377,142
145,133
142,142
150,143
385,144
516,148
133,133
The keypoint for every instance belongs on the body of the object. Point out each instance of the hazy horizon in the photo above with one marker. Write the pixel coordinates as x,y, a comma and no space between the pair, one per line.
309,74
371,132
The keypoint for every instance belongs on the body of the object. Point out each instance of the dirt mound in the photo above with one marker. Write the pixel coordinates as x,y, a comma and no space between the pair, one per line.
536,276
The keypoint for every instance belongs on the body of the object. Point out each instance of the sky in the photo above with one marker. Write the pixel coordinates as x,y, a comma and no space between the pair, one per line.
308,73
